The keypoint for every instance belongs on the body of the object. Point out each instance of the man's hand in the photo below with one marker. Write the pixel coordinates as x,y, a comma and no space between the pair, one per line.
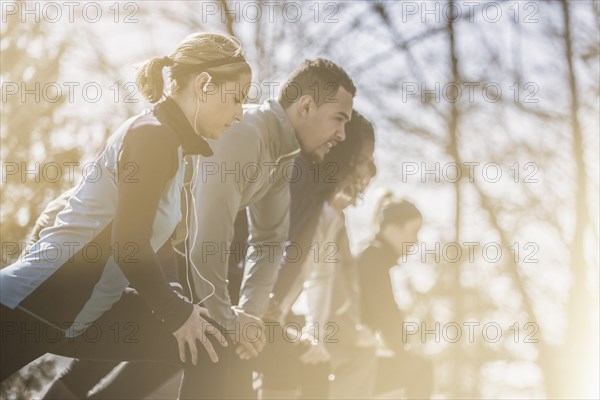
251,337
194,329
316,353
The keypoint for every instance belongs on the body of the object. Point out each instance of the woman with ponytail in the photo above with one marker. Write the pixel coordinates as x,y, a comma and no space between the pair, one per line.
397,224
67,294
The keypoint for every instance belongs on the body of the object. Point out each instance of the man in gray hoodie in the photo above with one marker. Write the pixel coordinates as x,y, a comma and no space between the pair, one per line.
251,168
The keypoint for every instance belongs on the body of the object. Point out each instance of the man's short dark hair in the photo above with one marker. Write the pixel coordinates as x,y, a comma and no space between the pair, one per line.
320,79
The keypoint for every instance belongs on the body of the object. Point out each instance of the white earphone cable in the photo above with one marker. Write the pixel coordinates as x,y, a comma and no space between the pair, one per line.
188,259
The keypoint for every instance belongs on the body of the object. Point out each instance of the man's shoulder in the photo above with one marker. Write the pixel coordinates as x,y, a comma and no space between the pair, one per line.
251,136
260,120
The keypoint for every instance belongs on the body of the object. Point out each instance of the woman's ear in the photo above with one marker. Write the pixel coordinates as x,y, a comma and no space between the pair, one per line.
201,84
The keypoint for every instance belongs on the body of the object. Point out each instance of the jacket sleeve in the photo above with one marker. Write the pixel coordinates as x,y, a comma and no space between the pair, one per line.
321,269
151,154
305,209
168,261
268,227
47,218
216,198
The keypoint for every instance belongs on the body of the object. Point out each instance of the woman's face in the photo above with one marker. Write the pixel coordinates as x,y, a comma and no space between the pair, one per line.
220,105
401,237
356,182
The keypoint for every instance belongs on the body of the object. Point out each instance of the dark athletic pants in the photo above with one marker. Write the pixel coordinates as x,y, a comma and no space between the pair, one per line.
279,363
138,379
133,380
126,332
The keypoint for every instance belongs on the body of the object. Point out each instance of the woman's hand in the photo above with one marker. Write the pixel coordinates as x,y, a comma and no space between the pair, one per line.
194,329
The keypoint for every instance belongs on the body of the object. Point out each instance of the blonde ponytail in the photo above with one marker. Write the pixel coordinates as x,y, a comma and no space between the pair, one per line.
150,78
195,50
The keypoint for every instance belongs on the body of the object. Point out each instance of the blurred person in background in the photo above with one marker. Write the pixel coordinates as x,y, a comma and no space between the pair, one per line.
353,300
398,223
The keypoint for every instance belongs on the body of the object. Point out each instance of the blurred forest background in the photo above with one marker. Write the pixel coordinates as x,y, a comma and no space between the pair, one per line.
537,119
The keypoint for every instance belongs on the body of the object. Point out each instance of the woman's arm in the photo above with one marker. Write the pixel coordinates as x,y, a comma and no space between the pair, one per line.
168,261
151,152
322,270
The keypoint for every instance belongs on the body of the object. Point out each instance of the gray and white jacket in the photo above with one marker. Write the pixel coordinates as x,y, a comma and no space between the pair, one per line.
107,235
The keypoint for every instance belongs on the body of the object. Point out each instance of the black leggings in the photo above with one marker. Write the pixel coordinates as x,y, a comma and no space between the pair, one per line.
139,379
133,379
126,332
279,362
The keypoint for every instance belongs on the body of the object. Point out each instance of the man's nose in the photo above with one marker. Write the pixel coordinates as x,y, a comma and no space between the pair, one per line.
341,134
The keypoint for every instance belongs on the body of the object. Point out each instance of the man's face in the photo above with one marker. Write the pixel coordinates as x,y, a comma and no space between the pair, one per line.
325,124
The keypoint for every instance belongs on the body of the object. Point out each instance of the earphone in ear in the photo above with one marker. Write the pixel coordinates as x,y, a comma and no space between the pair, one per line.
205,88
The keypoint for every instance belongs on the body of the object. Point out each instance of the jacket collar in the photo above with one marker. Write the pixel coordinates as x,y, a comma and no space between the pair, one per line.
169,113
289,145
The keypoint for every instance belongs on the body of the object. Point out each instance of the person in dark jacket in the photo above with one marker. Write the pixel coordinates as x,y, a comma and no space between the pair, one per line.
399,222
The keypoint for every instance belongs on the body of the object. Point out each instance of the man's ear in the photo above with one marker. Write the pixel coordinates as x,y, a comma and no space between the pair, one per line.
304,105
